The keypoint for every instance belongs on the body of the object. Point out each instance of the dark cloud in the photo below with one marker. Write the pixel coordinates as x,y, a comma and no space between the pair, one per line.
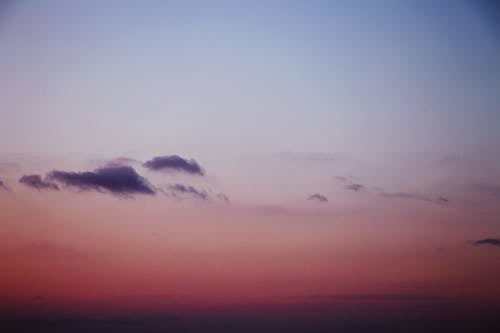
354,187
487,241
414,196
182,191
317,197
121,180
36,181
174,163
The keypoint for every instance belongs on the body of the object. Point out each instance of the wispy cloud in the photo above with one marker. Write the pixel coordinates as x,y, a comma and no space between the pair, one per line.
121,180
490,189
317,197
370,297
222,197
4,186
414,196
487,241
36,182
121,161
357,187
354,187
182,191
174,163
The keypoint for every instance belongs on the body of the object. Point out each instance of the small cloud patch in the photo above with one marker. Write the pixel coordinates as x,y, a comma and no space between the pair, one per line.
317,197
174,163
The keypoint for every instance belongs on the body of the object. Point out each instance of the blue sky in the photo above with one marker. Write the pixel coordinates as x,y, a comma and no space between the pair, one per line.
86,78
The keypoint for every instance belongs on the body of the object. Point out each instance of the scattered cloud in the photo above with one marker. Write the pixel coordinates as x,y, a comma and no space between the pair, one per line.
414,196
174,163
354,187
487,241
182,191
317,197
36,182
121,180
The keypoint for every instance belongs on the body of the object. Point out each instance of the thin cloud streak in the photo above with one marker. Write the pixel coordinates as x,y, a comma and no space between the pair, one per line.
182,191
487,241
413,196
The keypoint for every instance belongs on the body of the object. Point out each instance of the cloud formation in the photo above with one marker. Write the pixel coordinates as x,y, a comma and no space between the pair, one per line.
174,163
121,180
36,182
318,197
487,241
180,191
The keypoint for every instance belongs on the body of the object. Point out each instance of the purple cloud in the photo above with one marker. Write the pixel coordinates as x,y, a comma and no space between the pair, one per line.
318,197
122,180
174,163
36,182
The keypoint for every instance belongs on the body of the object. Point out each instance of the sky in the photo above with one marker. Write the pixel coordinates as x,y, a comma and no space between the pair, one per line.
180,157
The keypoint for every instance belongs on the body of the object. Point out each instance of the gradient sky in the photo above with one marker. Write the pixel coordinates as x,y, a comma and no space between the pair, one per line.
277,101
